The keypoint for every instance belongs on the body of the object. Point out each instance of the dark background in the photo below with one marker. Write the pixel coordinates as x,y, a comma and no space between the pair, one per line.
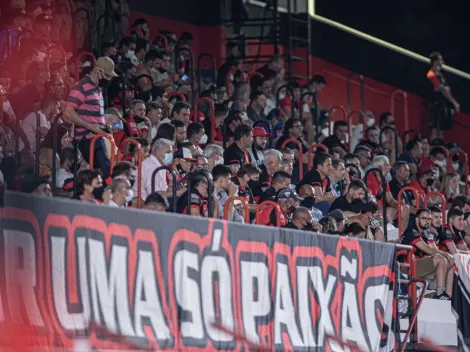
421,26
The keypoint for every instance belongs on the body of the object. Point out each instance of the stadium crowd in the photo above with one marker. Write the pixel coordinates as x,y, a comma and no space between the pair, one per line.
249,140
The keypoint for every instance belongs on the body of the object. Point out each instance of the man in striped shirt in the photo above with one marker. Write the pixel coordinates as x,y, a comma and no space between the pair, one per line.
85,109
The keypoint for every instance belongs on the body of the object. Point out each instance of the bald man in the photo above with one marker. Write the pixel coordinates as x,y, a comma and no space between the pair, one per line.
307,192
301,220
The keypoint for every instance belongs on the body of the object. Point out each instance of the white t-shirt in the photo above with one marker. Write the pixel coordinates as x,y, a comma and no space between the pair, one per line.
29,125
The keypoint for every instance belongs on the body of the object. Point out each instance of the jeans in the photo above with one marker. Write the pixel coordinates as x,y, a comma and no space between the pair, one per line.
100,160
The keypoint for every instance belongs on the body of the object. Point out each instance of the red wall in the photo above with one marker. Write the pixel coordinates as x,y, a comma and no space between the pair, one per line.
377,95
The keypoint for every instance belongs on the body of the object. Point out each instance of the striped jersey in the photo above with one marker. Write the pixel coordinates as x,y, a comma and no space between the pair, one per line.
86,98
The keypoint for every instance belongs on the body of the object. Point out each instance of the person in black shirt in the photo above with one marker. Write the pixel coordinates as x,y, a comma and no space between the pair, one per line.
356,190
199,183
335,142
280,180
451,237
412,154
400,176
430,258
301,220
237,152
371,141
233,54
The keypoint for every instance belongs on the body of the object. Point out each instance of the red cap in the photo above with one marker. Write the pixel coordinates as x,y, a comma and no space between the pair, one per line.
423,170
260,132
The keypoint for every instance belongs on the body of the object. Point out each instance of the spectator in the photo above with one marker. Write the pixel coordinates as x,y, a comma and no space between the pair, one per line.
307,192
301,220
88,181
224,188
450,186
337,177
196,136
140,29
257,106
42,26
232,60
443,104
364,155
236,153
221,112
126,170
127,47
67,167
42,189
452,236
355,230
84,109
181,134
214,155
412,154
400,176
167,131
132,152
329,225
340,219
199,198
335,142
371,141
138,125
201,162
156,202
279,181
121,193
182,161
109,50
370,217
154,114
274,68
16,23
288,201
260,142
181,111
318,178
272,164
247,181
431,260
424,180
356,190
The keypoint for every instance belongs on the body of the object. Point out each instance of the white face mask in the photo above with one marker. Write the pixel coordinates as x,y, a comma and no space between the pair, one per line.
245,116
370,122
455,167
130,195
203,139
281,96
324,131
219,161
41,56
130,54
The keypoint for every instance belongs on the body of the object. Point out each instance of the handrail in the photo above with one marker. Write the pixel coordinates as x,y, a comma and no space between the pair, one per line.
38,139
444,150
464,156
55,47
211,116
395,133
74,29
228,82
139,165
443,203
80,57
330,114
164,40
175,93
291,93
349,119
91,162
383,43
384,199
98,22
406,133
123,93
400,202
310,153
198,71
190,73
276,207
173,176
405,104
299,146
245,205
54,153
348,91
210,191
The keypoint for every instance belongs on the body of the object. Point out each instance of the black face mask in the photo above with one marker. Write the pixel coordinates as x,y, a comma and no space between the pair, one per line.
98,193
115,58
104,83
291,209
308,227
131,181
253,184
162,70
308,202
430,182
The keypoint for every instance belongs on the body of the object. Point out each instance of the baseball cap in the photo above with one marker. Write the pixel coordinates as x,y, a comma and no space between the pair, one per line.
338,215
260,132
107,65
423,170
287,193
184,153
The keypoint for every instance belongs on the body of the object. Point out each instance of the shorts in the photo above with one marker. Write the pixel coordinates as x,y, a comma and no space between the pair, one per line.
425,266
441,116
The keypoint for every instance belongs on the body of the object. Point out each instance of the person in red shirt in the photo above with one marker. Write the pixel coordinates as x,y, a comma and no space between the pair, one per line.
424,180
443,104
288,201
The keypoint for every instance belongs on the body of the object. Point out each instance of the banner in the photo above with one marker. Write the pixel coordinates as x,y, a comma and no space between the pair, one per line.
461,300
161,280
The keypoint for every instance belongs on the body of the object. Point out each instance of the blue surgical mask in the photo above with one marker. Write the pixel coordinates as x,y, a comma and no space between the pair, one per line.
168,159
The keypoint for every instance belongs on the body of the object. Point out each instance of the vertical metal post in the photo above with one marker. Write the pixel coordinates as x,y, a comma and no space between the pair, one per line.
289,40
276,28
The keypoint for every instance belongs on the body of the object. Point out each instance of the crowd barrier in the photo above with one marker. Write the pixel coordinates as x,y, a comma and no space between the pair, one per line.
162,280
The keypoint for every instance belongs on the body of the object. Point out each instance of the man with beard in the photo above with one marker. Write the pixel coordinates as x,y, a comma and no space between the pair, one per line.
224,188
288,201
182,162
301,220
371,141
400,176
259,145
148,68
137,124
356,190
431,263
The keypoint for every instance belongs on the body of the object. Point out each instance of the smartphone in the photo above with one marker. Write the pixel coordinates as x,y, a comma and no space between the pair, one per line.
185,77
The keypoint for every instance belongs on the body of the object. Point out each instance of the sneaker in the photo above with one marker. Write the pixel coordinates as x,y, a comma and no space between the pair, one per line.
443,297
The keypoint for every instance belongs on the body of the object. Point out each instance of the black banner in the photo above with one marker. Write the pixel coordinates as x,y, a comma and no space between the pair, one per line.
162,280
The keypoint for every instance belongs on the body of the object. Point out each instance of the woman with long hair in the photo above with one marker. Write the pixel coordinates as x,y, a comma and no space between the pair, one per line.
450,186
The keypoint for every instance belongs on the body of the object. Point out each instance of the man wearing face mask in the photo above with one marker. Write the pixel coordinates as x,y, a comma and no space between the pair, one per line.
301,220
279,181
224,188
443,104
370,216
199,197
288,201
214,155
183,160
196,136
85,109
127,47
247,180
121,193
260,143
424,181
356,190
307,192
